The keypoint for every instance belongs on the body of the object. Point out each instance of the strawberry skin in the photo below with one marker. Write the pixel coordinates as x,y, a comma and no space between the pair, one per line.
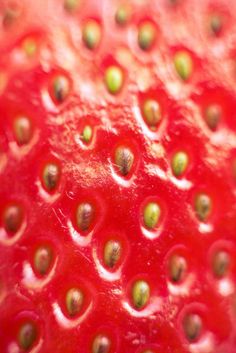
118,176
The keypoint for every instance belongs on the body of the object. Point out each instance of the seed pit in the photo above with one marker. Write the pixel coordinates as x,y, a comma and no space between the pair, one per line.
13,218
74,301
71,5
192,325
124,159
216,24
221,263
140,294
84,216
27,336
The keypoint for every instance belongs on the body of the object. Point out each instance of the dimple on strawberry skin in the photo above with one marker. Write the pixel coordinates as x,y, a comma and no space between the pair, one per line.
118,176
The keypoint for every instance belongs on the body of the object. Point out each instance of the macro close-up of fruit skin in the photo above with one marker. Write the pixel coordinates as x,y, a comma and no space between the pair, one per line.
118,176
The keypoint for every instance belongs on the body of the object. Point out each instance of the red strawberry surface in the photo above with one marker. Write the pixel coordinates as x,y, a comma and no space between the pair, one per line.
118,176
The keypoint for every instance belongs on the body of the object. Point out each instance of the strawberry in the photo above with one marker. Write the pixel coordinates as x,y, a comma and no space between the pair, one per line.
118,176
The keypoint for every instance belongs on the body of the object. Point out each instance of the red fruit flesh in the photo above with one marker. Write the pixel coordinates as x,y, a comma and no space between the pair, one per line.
118,218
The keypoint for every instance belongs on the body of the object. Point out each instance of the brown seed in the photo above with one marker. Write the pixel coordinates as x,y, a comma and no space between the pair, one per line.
213,115
27,336
10,15
13,218
84,216
112,252
221,263
124,160
152,113
74,301
203,206
22,130
216,24
42,260
177,268
101,344
60,88
192,325
51,176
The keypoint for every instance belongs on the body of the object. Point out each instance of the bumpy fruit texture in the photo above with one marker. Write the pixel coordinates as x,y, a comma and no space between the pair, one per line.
118,176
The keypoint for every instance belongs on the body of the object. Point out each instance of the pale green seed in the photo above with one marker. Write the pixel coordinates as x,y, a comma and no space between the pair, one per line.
179,163
71,5
122,15
203,206
152,214
146,35
87,133
114,78
29,46
140,294
183,65
92,34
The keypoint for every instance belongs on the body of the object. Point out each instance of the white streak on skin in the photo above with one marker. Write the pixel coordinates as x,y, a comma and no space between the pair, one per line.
205,345
154,306
8,241
14,348
77,238
69,323
31,281
45,195
226,287
182,289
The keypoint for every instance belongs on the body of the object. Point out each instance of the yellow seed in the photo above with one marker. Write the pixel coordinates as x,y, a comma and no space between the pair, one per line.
87,134
112,252
114,79
183,65
123,14
140,294
179,163
29,46
146,35
92,34
152,214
